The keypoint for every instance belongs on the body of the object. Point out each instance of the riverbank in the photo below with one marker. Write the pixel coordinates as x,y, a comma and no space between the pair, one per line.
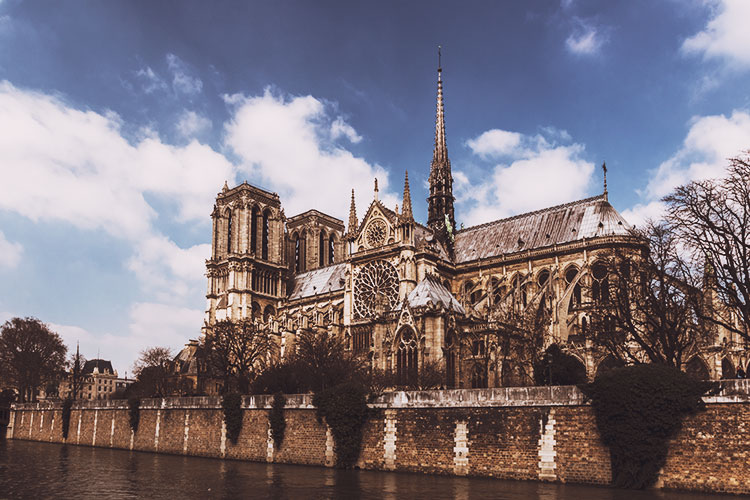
536,433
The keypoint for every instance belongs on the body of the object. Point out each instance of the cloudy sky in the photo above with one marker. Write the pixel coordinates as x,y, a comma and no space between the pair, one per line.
120,121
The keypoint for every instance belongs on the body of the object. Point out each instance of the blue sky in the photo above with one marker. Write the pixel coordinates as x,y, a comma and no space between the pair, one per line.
120,121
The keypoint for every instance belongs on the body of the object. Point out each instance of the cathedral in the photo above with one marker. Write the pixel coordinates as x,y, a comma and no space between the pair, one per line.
409,295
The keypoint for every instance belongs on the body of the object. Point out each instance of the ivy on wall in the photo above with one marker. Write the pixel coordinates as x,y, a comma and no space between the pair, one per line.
134,412
638,409
66,410
276,419
232,405
344,408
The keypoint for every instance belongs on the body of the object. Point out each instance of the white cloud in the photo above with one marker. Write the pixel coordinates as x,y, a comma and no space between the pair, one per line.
339,128
151,325
191,124
282,141
150,81
642,212
10,253
585,40
726,35
182,81
704,152
494,143
535,174
63,164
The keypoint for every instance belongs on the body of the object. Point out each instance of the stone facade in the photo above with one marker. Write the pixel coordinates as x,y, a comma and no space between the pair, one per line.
536,433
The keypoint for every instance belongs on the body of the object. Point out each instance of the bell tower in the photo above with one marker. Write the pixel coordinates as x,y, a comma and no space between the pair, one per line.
440,215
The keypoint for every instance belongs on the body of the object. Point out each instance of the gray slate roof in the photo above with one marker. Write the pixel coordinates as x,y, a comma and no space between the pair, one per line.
430,292
319,281
574,221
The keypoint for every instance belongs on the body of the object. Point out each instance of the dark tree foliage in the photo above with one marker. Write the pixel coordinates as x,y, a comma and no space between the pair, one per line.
638,409
276,419
287,377
558,368
646,308
712,219
344,408
134,412
232,405
7,397
31,355
152,372
325,361
237,352
77,379
66,410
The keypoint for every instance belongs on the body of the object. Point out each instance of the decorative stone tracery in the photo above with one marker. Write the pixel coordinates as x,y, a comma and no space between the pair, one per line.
375,289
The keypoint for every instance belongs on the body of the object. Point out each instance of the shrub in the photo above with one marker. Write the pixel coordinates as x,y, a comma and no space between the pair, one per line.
558,368
344,408
232,404
66,410
134,412
638,409
276,418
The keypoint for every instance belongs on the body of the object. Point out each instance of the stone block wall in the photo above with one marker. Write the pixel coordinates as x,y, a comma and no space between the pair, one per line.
544,434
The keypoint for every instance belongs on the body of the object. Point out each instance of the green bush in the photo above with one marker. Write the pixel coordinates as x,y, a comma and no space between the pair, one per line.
66,410
134,412
344,408
276,418
232,404
638,409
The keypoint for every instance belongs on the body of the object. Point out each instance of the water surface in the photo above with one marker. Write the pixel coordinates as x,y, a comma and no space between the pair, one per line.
45,470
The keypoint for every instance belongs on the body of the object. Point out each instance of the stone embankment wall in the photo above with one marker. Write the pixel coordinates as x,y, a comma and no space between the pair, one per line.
537,433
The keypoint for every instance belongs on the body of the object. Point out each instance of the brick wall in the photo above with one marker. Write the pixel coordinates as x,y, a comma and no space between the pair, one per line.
535,433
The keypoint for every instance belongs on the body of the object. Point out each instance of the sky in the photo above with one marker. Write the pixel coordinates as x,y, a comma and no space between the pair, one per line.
120,121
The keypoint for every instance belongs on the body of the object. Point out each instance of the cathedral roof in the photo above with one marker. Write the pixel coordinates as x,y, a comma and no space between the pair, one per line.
101,366
588,218
319,281
430,292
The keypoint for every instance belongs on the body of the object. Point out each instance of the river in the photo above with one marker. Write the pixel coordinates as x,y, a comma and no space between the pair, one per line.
44,470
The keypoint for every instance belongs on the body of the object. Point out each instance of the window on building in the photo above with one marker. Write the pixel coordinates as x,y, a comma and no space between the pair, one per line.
229,232
478,377
600,283
331,250
321,248
570,276
406,358
264,253
254,230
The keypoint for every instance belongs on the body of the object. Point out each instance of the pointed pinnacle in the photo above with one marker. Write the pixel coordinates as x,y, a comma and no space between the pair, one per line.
353,223
406,206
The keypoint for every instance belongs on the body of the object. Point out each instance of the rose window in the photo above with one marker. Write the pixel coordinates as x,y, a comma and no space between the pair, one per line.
375,289
376,233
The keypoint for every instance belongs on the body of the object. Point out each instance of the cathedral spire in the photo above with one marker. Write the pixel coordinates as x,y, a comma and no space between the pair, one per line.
353,223
440,215
604,169
406,212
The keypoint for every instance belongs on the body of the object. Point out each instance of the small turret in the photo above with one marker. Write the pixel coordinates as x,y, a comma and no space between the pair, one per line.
406,212
353,223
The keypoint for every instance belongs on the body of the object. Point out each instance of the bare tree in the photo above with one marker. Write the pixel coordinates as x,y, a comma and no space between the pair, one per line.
645,304
31,354
152,372
237,352
712,218
326,361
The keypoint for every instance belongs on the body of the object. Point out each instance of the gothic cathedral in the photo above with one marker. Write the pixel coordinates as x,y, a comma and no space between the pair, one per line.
407,295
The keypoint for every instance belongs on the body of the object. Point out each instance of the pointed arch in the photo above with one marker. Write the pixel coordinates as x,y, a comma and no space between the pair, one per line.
254,216
331,249
406,356
265,234
697,368
321,248
727,369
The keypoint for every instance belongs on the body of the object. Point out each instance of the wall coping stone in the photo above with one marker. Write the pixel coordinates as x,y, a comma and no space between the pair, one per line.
733,391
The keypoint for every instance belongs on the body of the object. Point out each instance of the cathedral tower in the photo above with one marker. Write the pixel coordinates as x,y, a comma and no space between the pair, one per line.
440,201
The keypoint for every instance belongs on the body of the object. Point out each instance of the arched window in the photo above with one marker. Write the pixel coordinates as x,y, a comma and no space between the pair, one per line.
256,310
254,230
478,377
570,275
264,254
497,290
600,284
321,248
297,254
268,313
229,232
520,293
331,242
406,358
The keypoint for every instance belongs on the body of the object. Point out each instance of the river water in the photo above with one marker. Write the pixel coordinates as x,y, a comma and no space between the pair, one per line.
45,470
